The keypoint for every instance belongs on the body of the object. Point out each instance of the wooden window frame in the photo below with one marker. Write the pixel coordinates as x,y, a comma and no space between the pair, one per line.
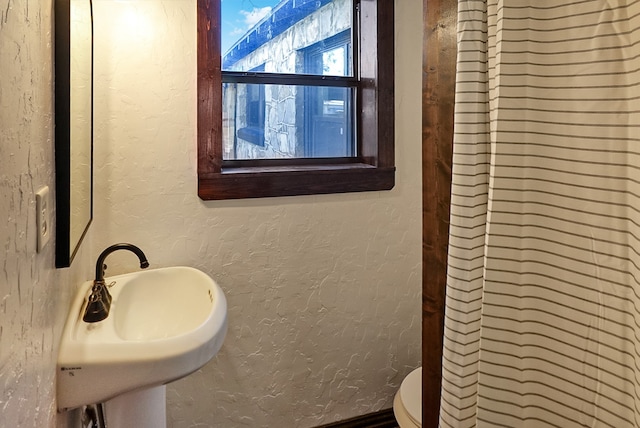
373,169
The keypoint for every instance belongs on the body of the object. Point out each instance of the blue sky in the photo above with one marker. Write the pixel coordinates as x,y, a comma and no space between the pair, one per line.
240,15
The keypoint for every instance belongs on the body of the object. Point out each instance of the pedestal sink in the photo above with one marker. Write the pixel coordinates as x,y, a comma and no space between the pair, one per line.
163,325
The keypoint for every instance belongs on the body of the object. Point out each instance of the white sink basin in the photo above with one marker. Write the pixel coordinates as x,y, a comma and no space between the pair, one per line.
163,325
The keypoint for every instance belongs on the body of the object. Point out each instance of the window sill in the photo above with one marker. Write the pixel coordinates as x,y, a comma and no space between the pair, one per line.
271,181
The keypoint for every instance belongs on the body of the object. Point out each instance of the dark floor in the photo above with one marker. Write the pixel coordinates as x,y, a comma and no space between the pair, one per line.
381,419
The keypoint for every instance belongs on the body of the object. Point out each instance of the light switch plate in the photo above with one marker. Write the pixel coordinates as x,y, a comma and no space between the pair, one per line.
43,217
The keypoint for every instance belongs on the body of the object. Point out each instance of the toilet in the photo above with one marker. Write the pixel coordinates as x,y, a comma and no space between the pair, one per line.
407,404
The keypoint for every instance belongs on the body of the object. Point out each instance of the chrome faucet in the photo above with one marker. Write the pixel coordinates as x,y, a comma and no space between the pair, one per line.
100,298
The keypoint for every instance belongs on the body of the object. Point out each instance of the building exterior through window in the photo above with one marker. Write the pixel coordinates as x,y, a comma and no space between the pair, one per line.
288,84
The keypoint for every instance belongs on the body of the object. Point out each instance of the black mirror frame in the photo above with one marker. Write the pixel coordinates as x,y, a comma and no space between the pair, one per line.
64,254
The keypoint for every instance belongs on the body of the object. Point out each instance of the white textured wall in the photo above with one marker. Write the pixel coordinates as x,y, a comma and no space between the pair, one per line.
34,296
323,291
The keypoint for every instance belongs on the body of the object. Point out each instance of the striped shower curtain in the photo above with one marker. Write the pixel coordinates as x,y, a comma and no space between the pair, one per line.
542,319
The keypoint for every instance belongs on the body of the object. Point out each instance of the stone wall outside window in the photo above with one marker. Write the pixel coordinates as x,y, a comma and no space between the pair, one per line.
283,104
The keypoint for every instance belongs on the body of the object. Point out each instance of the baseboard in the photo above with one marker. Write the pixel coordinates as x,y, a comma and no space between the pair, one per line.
381,419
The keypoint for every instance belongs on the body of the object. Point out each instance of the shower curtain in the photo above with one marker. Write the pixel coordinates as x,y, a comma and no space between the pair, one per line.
542,318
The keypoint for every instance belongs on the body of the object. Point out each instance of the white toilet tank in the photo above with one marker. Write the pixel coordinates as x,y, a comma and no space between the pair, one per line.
407,405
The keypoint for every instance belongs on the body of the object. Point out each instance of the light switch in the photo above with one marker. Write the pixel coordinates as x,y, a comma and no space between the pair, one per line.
43,217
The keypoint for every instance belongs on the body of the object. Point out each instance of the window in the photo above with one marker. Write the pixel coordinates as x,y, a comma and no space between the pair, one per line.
329,130
248,124
322,125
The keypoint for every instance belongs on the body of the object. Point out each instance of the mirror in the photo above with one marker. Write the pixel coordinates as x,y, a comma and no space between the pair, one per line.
73,125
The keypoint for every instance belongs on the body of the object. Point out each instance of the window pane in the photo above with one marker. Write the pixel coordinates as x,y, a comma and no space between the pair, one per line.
279,35
286,121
